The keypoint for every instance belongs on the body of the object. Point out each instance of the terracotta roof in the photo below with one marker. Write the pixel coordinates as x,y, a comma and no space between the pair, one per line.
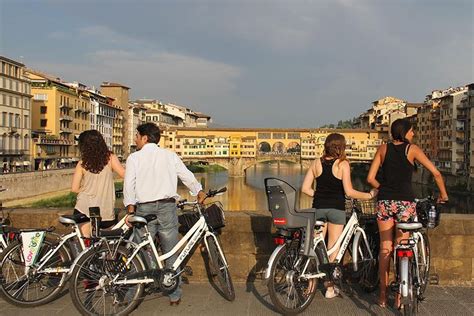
113,84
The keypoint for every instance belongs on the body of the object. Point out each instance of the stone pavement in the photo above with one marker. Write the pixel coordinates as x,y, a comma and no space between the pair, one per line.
253,299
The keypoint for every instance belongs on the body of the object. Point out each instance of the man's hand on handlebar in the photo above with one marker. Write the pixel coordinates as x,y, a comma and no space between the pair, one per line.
201,197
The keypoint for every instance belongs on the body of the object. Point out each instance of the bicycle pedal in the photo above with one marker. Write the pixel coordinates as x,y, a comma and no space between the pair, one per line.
185,280
434,279
188,270
394,286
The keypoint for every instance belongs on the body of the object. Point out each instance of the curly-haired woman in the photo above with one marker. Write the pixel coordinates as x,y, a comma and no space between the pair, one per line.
93,179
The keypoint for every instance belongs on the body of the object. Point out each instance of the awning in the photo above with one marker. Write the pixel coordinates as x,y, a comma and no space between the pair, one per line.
74,159
17,163
63,160
26,163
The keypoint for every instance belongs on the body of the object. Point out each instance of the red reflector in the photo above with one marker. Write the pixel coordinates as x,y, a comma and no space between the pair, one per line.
405,253
279,240
87,242
11,236
279,221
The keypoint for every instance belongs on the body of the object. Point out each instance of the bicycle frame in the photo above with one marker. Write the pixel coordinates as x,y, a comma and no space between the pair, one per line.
351,228
76,233
410,243
195,234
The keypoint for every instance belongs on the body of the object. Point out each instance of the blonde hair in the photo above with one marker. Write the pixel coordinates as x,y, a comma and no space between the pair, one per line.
335,147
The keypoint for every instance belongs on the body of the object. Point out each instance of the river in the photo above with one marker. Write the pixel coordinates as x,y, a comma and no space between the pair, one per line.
247,193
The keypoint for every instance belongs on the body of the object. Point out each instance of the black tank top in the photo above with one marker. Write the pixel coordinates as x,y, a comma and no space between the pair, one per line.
397,172
329,189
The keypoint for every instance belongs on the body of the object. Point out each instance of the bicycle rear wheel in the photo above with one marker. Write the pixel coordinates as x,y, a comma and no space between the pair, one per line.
367,273
31,289
424,263
92,287
409,300
289,293
219,270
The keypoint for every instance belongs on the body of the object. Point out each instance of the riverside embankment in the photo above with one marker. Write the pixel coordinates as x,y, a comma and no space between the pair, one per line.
248,244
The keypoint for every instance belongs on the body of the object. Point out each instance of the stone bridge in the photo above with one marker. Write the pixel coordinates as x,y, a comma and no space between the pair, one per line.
236,166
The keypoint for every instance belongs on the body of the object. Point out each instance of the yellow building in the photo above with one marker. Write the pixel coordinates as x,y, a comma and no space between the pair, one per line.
250,143
15,119
59,112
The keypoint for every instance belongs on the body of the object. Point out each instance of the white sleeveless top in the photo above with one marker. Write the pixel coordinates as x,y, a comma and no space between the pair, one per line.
97,190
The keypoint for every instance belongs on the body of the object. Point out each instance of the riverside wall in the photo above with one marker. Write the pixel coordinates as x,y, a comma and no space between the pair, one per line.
28,184
247,243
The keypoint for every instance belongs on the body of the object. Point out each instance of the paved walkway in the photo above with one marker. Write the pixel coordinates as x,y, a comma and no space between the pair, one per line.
253,299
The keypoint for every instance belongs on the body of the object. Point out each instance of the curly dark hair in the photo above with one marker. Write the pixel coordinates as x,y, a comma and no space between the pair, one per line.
94,152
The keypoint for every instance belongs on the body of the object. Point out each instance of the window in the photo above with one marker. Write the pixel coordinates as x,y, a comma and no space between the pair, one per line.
43,123
26,123
43,109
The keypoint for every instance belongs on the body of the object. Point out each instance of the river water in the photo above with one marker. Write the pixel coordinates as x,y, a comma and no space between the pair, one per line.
248,194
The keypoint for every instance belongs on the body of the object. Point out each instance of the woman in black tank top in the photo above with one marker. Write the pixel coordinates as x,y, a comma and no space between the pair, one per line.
395,201
332,173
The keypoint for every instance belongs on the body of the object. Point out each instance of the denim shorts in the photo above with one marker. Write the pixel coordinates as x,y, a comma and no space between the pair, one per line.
331,215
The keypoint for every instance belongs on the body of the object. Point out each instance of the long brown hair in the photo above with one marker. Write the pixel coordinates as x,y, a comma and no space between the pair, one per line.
335,147
94,152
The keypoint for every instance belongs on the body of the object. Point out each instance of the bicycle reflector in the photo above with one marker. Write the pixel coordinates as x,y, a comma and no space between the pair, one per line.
279,221
404,253
279,240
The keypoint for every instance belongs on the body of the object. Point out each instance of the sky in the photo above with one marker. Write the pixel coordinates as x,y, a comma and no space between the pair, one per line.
288,64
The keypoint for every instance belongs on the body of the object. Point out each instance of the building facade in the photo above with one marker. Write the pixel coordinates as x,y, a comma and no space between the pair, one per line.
15,119
103,115
120,94
59,113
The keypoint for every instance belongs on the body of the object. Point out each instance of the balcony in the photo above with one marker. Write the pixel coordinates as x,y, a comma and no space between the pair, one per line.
12,152
460,140
65,106
66,118
461,117
66,130
78,110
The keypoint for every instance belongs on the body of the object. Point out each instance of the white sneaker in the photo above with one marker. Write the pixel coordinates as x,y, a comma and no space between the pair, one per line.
331,292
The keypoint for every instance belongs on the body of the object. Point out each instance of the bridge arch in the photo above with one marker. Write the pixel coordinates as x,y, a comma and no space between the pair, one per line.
294,147
278,147
264,147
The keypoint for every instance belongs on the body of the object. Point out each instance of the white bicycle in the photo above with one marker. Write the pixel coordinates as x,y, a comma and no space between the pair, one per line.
112,278
302,257
35,267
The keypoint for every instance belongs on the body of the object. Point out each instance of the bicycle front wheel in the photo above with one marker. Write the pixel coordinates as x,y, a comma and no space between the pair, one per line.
32,288
289,293
368,266
424,257
92,286
218,269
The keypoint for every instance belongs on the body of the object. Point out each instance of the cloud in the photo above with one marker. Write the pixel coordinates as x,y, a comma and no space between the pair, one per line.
171,77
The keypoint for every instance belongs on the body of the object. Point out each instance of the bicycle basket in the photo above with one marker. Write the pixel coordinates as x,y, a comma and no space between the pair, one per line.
366,207
213,212
423,213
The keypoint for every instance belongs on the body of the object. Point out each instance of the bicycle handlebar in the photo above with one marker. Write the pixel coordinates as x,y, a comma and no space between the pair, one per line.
180,204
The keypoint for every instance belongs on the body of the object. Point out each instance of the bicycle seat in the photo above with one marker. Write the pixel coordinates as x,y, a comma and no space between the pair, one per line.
112,233
318,223
73,219
409,226
137,220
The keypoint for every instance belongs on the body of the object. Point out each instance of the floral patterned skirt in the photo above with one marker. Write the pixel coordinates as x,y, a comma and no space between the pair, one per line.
397,210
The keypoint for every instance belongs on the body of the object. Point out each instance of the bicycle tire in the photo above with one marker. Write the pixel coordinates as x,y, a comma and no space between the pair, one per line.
92,274
409,306
12,262
424,266
219,270
367,273
280,269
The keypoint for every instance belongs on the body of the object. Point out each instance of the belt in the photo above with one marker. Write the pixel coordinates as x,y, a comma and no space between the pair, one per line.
168,200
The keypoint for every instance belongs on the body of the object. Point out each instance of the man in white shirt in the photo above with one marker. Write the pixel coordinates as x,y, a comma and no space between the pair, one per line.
150,187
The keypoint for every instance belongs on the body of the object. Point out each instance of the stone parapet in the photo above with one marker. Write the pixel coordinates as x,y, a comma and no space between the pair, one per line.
247,243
